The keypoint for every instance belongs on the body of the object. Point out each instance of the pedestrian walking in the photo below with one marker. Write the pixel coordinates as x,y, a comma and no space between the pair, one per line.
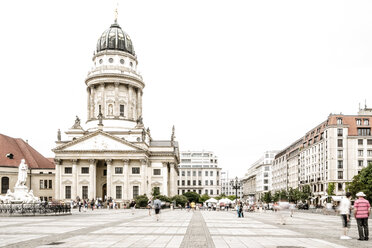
193,206
344,209
292,208
362,209
241,212
157,206
92,204
132,206
79,204
149,206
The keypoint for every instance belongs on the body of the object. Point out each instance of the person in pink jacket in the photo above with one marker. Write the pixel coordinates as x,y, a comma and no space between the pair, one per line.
362,210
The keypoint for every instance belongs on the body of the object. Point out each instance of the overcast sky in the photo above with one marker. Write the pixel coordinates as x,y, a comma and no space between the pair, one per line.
234,77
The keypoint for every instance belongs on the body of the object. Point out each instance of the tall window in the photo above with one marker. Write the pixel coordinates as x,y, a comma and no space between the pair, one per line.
360,153
211,191
340,154
369,153
364,131
135,191
211,182
183,182
4,185
85,192
206,173
45,184
118,170
369,141
365,122
121,110
360,162
360,141
339,121
188,182
358,122
339,143
340,175
211,174
194,182
339,132
188,173
340,164
118,192
183,173
206,182
199,183
68,192
194,173
135,170
199,173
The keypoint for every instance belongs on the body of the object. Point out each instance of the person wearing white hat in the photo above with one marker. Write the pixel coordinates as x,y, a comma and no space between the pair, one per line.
362,209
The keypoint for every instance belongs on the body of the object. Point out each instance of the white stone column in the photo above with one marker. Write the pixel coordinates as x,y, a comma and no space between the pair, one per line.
109,177
143,176
92,107
165,178
57,180
92,169
103,105
149,179
126,179
130,99
88,102
117,105
172,185
74,179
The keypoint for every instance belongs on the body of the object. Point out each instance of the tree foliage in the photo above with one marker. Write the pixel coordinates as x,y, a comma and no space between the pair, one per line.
267,197
231,197
362,182
294,195
204,198
331,188
163,198
180,200
192,196
141,201
305,193
155,191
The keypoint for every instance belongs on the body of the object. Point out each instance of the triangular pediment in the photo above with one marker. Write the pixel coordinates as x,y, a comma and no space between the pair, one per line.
98,141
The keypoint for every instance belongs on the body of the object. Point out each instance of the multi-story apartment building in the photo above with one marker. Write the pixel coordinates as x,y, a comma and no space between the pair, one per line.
258,179
227,184
333,151
199,172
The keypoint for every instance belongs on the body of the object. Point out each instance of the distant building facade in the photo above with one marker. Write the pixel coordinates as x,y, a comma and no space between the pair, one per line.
199,172
227,186
40,174
258,178
332,152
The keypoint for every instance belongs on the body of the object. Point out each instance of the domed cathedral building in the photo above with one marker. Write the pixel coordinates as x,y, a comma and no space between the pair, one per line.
114,155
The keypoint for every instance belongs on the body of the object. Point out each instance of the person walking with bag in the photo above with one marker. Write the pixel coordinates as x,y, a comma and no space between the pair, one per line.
157,206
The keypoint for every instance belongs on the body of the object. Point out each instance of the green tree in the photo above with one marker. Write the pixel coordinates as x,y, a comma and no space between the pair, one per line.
283,195
163,198
362,182
141,201
204,198
267,197
331,189
276,196
180,200
305,193
192,196
155,191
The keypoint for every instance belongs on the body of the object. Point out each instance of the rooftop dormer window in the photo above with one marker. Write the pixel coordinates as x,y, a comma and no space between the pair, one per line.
339,121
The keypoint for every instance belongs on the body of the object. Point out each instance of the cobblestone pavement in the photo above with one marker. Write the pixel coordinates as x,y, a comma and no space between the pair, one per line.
119,228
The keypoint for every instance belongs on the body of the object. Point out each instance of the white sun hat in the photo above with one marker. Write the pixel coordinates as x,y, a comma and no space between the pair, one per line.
360,194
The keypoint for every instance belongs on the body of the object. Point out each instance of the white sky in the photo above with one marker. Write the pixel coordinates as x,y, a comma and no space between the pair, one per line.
234,77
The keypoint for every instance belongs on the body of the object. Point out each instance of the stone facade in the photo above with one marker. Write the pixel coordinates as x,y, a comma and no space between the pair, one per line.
199,172
114,156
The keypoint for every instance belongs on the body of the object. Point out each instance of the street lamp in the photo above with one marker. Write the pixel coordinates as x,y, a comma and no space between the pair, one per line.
235,185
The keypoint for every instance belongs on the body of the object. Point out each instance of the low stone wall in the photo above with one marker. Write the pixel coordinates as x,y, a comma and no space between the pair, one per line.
33,209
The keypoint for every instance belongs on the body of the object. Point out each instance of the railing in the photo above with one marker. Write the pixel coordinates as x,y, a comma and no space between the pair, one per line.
34,209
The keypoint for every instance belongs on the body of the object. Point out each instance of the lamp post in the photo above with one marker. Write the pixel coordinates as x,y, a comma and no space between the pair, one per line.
235,185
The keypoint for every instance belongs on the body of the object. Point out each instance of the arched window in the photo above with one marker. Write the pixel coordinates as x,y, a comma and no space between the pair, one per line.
4,185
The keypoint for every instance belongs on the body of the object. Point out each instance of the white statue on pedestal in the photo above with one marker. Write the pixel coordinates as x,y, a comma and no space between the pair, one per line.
21,193
22,174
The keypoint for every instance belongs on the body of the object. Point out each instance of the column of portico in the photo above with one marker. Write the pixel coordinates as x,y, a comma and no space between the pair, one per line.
92,169
149,178
143,175
126,179
165,178
117,106
103,104
172,184
109,177
57,181
74,179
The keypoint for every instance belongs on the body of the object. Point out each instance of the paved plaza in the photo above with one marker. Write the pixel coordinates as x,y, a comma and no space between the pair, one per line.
178,228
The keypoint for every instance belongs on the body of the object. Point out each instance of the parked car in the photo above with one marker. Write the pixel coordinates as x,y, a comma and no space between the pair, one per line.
304,206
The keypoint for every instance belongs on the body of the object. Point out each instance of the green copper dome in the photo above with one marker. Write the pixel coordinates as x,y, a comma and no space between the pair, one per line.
115,38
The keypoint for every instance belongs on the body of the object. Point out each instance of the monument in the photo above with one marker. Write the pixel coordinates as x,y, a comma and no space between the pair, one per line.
21,193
